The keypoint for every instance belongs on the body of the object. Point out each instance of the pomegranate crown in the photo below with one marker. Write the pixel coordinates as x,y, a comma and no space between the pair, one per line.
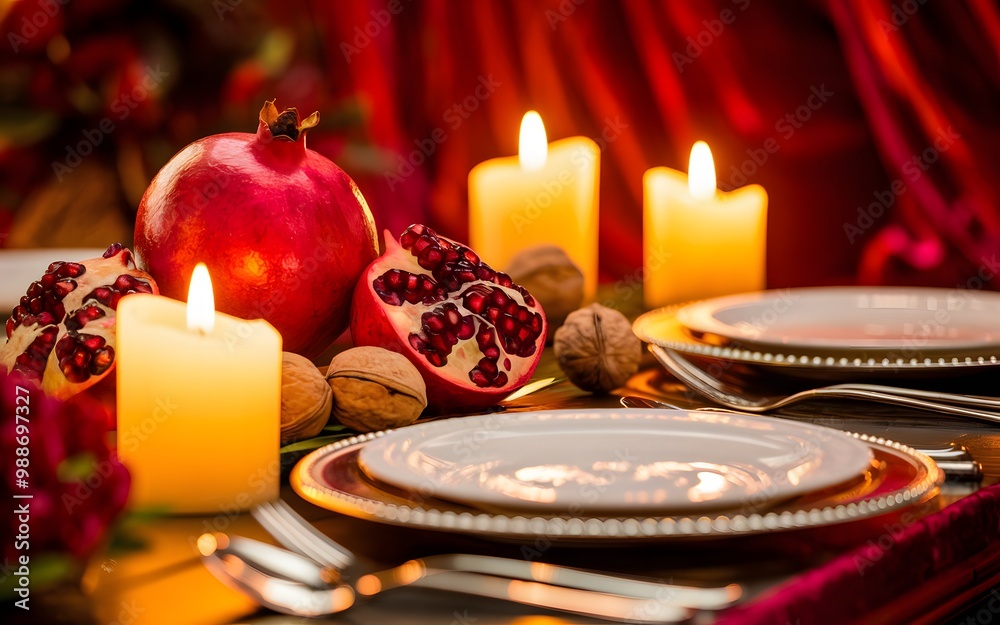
286,124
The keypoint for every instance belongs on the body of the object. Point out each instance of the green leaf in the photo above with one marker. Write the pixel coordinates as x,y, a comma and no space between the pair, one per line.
313,443
76,468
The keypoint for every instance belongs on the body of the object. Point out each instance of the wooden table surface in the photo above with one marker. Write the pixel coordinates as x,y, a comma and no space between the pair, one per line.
165,583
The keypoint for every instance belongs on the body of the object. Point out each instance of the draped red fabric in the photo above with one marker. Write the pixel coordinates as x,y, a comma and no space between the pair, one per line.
883,115
871,123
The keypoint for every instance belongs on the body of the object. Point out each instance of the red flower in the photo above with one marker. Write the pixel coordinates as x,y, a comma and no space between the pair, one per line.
57,453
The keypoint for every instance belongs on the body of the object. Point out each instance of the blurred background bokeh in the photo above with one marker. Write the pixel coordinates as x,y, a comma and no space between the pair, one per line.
873,124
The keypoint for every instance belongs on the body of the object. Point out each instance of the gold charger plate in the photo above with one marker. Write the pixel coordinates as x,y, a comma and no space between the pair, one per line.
662,327
331,478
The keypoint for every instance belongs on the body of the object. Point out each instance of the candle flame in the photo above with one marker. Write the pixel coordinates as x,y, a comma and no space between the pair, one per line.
533,145
701,172
201,301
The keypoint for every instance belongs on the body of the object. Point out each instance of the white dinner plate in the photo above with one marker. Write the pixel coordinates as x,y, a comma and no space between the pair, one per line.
662,327
618,462
873,320
330,478
19,268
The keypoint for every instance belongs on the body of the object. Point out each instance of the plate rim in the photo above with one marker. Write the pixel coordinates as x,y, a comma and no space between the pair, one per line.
699,317
798,359
431,430
604,530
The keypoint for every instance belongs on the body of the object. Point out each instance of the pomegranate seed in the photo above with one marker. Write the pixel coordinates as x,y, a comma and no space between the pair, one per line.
103,358
411,282
501,380
54,267
503,279
420,245
439,344
408,239
71,270
101,294
536,322
64,287
506,364
394,279
467,330
92,342
81,359
453,317
10,326
507,325
35,289
430,258
487,366
65,347
113,249
436,359
478,378
475,302
432,322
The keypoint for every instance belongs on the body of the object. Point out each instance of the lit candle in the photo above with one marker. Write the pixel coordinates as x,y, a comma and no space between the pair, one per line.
199,403
546,195
700,242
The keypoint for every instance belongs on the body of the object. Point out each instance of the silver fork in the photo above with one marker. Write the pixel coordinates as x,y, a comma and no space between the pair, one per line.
719,392
297,534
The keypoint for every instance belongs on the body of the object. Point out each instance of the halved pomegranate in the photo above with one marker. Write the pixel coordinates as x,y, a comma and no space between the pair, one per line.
473,334
61,335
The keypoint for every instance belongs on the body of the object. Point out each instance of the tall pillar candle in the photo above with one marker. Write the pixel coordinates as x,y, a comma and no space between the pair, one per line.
546,195
698,241
199,403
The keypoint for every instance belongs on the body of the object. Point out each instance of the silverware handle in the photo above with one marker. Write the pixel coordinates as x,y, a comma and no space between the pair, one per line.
978,401
684,596
903,400
575,601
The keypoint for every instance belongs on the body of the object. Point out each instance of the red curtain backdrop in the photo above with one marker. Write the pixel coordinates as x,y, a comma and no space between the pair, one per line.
869,122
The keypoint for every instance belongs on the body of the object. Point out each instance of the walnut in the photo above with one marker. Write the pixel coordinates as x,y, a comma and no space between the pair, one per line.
375,389
596,348
552,278
306,399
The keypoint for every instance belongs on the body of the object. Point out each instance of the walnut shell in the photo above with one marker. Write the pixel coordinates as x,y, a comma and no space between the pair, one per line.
306,399
596,348
375,389
551,278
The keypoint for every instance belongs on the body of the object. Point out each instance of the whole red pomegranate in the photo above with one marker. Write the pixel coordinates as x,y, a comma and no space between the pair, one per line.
285,232
473,334
62,333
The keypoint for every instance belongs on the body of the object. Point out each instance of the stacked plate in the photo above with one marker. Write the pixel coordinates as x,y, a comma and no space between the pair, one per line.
838,333
611,475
